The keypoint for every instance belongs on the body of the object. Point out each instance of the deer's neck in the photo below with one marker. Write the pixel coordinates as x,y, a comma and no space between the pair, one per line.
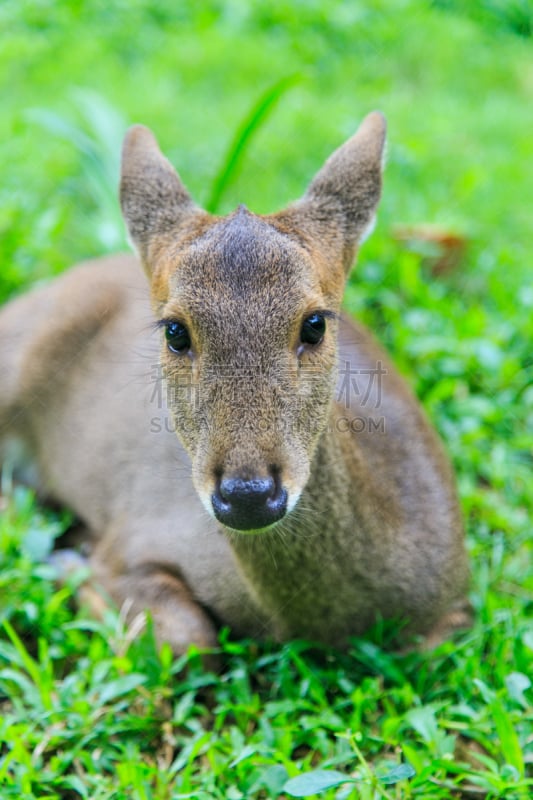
307,571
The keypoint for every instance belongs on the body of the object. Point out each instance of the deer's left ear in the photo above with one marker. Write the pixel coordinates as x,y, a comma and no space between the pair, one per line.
339,207
153,199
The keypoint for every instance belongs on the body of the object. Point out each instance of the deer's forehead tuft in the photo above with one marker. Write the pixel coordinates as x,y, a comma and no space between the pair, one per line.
242,260
243,246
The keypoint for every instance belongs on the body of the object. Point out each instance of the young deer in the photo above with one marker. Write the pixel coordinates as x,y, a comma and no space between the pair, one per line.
305,493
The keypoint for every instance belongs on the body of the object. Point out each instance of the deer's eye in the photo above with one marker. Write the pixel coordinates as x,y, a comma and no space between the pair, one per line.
177,336
313,329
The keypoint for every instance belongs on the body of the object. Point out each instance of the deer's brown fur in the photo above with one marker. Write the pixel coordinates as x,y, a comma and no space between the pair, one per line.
371,526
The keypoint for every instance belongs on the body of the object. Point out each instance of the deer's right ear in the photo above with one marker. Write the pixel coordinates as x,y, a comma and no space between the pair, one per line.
152,196
339,206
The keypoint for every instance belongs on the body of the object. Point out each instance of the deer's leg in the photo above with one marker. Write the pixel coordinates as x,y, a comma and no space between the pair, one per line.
458,617
178,618
157,589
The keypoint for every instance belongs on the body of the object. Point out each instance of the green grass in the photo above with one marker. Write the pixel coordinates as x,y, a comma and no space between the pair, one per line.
86,710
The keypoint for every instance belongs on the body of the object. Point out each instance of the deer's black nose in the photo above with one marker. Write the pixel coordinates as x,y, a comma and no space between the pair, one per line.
249,504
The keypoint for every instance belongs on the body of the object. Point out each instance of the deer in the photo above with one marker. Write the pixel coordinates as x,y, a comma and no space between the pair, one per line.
196,405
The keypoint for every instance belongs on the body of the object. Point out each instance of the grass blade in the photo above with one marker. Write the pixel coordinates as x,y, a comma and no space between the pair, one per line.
243,136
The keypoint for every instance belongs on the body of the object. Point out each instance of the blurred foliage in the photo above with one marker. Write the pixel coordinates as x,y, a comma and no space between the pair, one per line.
192,72
505,15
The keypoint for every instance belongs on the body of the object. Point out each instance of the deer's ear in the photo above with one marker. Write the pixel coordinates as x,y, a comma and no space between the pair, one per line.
340,204
152,196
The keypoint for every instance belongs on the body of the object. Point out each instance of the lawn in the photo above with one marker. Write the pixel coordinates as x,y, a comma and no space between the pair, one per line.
86,709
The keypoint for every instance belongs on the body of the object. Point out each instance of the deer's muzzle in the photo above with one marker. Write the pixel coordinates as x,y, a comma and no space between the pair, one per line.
251,504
